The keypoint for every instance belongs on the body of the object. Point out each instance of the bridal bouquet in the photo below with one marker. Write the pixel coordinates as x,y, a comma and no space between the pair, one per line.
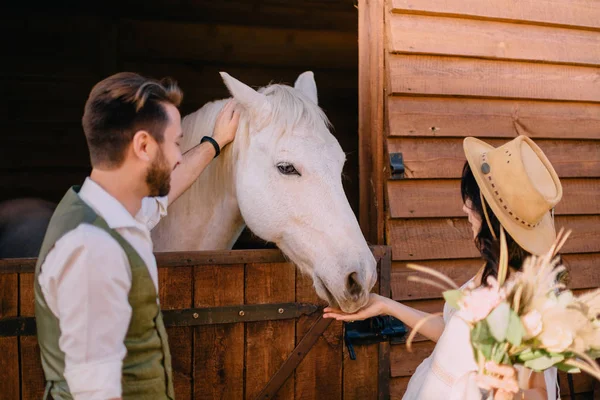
528,319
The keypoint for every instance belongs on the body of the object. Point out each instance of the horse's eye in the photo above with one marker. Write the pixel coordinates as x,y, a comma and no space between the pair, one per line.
287,169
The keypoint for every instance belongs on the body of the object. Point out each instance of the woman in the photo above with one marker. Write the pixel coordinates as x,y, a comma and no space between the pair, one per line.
515,188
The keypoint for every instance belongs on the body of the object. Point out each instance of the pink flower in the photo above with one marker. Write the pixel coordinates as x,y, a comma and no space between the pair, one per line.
476,304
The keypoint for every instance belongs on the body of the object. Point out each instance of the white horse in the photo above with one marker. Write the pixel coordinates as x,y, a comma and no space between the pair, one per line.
282,177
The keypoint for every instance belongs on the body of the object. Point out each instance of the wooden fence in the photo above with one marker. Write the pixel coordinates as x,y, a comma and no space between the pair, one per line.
267,304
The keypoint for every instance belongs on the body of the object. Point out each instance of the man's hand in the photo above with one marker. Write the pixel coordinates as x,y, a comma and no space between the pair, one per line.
227,124
195,160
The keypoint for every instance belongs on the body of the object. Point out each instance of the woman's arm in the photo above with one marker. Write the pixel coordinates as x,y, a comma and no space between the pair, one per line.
379,305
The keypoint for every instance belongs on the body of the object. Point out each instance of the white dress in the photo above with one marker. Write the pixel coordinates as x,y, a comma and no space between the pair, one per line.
449,372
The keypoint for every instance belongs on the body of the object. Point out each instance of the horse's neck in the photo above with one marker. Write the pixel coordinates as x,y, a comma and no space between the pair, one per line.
207,215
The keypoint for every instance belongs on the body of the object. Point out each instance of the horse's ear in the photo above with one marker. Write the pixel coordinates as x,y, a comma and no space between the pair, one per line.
307,85
245,95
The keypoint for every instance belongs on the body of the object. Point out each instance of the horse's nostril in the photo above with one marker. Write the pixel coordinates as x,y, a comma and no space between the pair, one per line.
353,285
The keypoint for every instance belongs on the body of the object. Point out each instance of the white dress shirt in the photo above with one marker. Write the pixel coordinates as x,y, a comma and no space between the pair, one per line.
86,280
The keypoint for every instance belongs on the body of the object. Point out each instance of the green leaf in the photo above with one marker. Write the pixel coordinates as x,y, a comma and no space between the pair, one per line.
528,355
486,349
498,353
568,368
482,339
498,321
516,330
452,297
543,363
481,333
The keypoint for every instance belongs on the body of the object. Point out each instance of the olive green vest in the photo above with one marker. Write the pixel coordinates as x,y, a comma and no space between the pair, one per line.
146,370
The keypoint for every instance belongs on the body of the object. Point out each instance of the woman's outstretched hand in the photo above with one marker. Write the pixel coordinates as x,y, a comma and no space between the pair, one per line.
375,306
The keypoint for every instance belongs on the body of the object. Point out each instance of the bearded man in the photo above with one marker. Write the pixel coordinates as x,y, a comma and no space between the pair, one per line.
100,329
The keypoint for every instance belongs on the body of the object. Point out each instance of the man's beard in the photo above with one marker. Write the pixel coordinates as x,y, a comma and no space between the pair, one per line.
158,177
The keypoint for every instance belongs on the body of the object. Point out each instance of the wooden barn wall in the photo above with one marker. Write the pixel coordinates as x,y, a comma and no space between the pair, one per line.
55,54
491,69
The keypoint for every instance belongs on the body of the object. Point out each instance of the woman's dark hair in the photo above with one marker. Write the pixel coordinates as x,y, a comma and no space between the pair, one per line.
485,242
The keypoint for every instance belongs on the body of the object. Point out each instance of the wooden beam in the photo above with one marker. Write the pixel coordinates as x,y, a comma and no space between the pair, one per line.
582,269
574,13
416,198
219,350
455,76
269,343
371,77
426,158
496,40
459,117
236,44
9,346
447,238
176,286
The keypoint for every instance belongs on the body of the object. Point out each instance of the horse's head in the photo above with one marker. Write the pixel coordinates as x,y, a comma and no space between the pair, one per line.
288,182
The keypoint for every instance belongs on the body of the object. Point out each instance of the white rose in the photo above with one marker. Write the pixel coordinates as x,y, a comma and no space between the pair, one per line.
532,321
556,339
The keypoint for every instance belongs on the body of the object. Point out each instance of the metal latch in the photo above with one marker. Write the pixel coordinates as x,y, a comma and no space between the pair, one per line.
373,330
396,165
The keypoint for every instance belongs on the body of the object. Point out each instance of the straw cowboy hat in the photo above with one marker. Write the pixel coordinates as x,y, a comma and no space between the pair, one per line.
520,186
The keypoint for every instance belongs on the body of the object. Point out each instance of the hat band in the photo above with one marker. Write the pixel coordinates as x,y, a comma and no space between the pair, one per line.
485,168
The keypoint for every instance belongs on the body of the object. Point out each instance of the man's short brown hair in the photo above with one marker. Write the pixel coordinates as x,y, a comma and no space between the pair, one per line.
121,105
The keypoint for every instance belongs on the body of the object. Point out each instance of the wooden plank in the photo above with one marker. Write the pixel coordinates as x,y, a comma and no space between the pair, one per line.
268,344
9,346
370,118
458,270
582,270
430,239
32,374
404,363
37,154
175,292
218,257
360,375
459,117
496,40
202,83
442,198
582,382
455,76
219,349
47,183
444,157
187,258
329,15
398,387
319,375
61,46
577,13
160,40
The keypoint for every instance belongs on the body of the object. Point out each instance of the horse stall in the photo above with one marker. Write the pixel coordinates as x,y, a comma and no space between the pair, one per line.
432,72
235,318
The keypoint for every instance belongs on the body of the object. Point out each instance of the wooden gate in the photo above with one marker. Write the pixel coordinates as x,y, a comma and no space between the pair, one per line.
233,318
